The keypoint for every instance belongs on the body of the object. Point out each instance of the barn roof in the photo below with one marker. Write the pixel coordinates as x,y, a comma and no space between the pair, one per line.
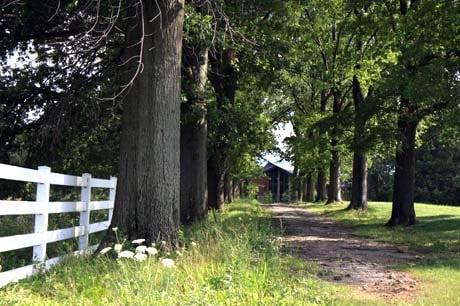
270,166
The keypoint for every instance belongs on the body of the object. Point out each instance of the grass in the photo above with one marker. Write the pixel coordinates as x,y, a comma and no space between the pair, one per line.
236,262
437,236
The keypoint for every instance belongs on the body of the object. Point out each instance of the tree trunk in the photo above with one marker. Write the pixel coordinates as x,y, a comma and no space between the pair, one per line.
223,79
301,187
216,187
359,181
295,185
236,189
228,188
148,189
321,190
194,133
334,192
310,188
403,211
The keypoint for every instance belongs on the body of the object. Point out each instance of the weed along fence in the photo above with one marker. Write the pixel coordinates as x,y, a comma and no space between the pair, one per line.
42,208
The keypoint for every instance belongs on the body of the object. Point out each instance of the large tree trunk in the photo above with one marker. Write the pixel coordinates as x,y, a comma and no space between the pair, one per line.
359,181
147,201
321,190
194,133
403,211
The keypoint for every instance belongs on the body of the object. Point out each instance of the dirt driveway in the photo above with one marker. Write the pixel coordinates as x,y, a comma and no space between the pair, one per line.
363,263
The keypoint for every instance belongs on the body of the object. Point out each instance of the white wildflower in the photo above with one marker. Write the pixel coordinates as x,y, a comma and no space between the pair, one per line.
115,229
105,250
126,254
140,257
141,249
117,247
167,262
151,251
138,241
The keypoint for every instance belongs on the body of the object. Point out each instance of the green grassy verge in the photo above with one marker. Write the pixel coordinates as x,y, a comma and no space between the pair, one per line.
437,236
236,261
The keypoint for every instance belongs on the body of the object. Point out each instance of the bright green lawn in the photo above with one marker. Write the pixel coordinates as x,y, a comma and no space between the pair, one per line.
437,236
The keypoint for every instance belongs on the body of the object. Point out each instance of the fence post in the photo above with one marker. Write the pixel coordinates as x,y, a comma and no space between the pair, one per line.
41,219
112,194
84,215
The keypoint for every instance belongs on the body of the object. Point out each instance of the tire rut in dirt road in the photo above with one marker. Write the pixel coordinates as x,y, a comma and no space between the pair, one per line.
364,263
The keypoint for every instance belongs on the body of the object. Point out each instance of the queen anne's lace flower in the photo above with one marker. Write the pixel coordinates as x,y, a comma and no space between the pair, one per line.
126,254
141,249
105,250
167,262
117,247
151,251
140,257
138,241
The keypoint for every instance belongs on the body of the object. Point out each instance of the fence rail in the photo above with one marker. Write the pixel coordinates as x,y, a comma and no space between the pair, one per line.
41,208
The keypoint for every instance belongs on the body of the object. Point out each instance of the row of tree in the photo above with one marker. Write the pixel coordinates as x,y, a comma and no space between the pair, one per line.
368,78
164,93
178,97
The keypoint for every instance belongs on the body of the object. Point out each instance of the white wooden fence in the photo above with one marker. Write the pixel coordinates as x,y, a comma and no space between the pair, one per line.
42,207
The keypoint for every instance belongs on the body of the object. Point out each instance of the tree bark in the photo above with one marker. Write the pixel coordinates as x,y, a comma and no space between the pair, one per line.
216,187
403,211
321,190
310,182
223,79
334,192
236,189
295,185
359,181
148,189
228,188
194,133
304,188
